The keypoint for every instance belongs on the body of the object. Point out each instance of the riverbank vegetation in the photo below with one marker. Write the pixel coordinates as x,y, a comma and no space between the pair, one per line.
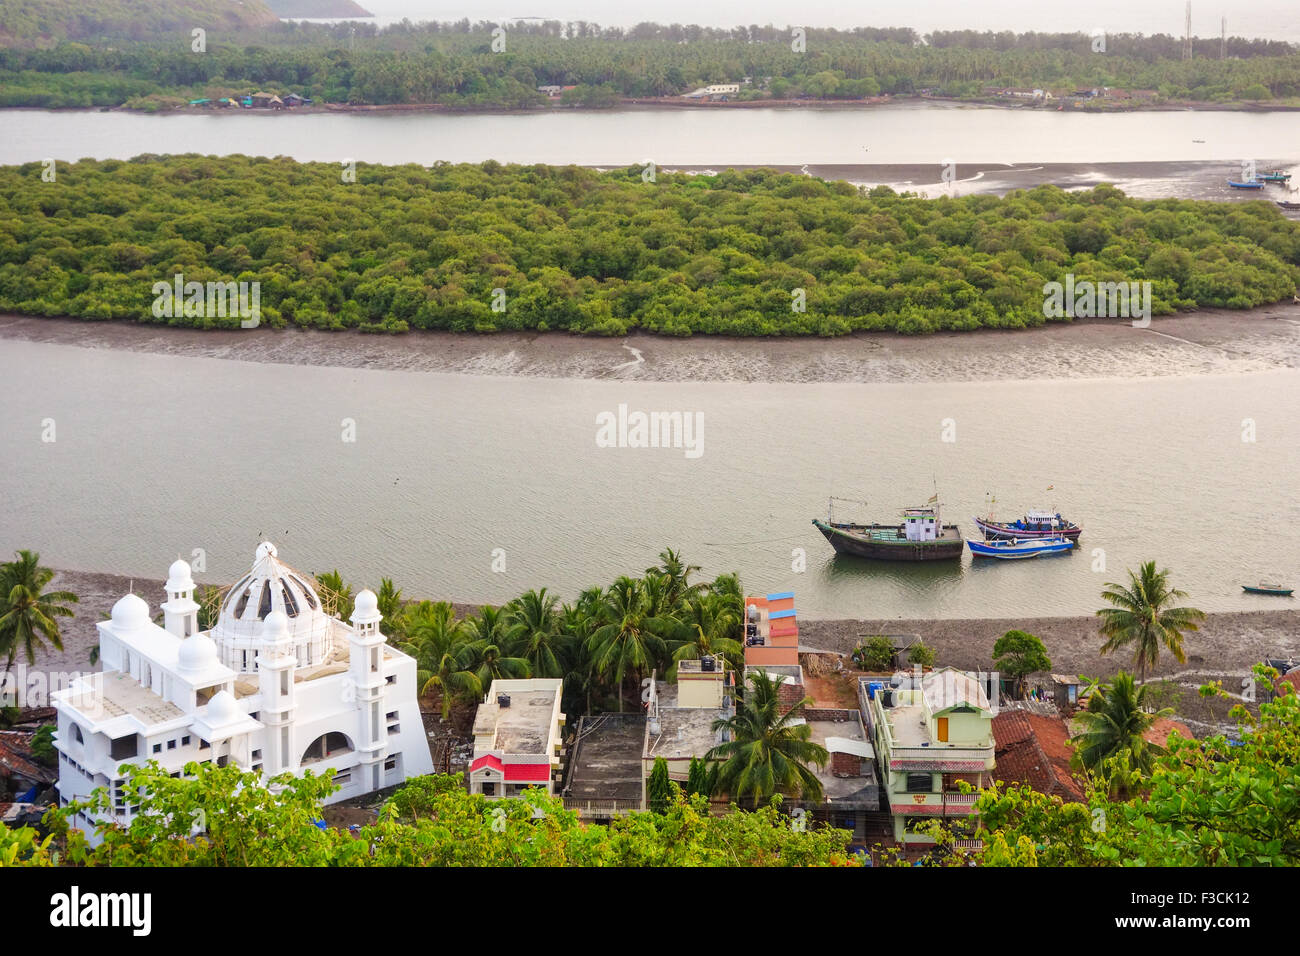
750,252
58,57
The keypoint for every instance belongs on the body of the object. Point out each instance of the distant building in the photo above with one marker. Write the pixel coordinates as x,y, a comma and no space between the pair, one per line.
278,684
930,735
518,737
552,91
1035,749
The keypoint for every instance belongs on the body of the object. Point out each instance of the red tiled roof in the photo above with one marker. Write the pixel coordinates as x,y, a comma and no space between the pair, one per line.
529,772
1035,750
16,759
489,761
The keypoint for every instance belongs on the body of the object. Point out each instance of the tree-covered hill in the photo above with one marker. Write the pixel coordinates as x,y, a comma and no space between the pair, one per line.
317,8
43,23
572,249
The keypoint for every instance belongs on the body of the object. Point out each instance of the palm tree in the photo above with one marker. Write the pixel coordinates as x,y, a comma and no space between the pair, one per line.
27,610
706,630
389,599
628,639
444,659
493,665
1113,724
533,632
678,574
765,752
1143,617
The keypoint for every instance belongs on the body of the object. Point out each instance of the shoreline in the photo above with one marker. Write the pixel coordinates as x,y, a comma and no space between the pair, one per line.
1225,647
1205,342
643,103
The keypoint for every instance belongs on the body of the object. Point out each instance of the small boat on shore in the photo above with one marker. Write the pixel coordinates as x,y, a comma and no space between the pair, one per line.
1251,185
1288,204
1274,176
921,536
1009,549
1035,524
1276,590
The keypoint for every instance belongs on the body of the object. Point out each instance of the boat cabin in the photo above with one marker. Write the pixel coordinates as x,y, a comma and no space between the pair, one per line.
921,524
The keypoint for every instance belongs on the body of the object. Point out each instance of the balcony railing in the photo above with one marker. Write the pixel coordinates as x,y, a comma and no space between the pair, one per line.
600,808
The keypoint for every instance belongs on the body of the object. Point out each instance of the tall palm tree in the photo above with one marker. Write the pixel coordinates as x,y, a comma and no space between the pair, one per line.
765,752
533,632
494,665
27,611
1113,724
678,573
628,640
389,599
1143,616
443,657
707,628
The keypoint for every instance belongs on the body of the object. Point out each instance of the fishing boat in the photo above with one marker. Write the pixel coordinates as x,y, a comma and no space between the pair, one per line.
1274,176
1009,549
1250,185
1288,204
1035,524
920,536
1277,590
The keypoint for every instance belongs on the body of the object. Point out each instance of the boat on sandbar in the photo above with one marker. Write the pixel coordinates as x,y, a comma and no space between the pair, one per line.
921,536
1254,184
1017,548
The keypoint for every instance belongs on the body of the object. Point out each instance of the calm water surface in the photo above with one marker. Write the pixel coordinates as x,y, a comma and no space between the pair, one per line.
156,455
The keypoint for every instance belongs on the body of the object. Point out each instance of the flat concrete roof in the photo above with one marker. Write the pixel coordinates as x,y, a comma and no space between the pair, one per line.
116,694
607,758
522,728
684,732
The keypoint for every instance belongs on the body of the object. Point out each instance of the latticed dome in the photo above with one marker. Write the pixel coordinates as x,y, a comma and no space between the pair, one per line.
269,587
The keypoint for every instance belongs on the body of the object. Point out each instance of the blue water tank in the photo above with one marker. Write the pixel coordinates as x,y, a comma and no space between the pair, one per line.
872,687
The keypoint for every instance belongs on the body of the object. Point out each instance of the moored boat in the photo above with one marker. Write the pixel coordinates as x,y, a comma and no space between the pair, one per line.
921,536
1274,176
1277,590
1035,524
1288,204
1018,548
1251,185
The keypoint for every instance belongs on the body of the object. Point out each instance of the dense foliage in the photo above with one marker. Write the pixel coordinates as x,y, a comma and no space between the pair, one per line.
455,64
47,22
432,821
29,614
573,249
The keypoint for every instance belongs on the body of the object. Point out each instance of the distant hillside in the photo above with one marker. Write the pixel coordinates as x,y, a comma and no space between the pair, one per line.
320,9
47,22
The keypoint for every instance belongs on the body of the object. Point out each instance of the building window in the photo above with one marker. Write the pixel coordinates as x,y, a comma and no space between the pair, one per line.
171,744
76,734
919,782
489,788
157,748
185,741
257,754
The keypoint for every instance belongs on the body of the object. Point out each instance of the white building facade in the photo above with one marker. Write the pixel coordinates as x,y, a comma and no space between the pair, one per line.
277,685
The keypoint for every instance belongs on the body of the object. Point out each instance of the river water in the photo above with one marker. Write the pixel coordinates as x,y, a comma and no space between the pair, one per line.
156,455
905,133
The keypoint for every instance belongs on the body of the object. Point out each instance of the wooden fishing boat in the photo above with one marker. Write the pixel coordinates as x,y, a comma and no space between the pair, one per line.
1274,176
1035,524
1277,590
1288,204
1251,185
921,536
1010,549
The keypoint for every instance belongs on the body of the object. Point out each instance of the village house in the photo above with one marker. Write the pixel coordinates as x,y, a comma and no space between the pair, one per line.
277,685
518,737
930,735
1035,749
551,91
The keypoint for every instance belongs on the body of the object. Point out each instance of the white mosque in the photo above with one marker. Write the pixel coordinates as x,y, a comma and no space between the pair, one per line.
277,685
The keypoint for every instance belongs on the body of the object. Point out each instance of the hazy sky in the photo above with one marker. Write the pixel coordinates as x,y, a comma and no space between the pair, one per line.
1277,19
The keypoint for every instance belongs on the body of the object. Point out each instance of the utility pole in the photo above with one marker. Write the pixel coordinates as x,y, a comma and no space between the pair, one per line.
1223,39
1187,32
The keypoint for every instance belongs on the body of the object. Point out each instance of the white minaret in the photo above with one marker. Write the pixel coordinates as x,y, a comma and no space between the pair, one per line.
180,613
366,668
275,666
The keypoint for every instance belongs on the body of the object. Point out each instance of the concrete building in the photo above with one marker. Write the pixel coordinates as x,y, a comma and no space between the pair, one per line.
930,734
278,684
518,738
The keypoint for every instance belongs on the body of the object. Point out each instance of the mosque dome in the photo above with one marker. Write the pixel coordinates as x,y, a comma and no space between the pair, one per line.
223,709
130,612
365,609
272,598
197,652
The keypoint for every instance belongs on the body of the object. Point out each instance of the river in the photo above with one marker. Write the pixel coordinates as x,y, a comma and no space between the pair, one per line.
156,455
913,133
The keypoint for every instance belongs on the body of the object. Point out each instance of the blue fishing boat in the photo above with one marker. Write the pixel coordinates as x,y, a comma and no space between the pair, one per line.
1252,185
1268,587
1035,524
1009,549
